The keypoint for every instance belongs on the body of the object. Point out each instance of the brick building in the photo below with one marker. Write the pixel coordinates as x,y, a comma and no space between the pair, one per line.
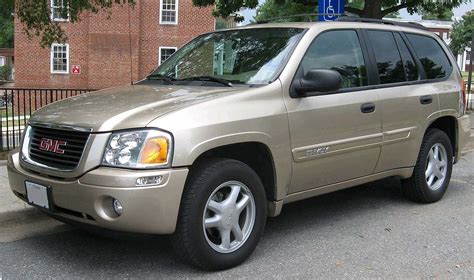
97,54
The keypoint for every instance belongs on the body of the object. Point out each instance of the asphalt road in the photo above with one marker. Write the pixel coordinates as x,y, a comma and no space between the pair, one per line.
364,232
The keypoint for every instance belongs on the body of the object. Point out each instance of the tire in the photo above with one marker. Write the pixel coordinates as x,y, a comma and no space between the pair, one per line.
216,179
418,187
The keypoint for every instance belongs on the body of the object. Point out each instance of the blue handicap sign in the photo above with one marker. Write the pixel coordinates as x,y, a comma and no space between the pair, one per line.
330,9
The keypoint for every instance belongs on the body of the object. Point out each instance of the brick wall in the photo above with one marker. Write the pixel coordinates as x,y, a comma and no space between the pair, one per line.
100,45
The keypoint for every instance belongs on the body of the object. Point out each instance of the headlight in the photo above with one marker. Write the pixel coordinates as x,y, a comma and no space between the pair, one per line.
138,149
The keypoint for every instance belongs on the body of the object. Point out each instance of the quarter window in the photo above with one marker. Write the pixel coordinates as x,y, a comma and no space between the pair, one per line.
169,11
60,58
338,50
165,53
433,58
411,71
387,57
57,7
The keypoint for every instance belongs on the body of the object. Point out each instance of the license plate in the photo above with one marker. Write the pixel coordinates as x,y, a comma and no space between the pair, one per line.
37,194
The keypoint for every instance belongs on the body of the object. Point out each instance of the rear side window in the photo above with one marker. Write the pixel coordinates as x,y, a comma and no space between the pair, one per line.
338,50
431,55
387,57
411,71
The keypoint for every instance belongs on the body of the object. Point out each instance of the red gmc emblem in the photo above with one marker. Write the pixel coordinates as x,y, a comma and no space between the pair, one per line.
51,145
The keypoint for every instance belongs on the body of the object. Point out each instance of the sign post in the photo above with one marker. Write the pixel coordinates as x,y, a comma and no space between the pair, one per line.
330,10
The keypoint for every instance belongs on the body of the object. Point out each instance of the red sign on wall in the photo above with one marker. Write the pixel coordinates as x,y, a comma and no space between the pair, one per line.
76,69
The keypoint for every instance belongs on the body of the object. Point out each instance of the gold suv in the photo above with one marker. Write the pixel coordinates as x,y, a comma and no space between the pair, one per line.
240,122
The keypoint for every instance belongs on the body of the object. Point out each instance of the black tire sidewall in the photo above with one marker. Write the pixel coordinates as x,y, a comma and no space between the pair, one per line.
205,183
435,137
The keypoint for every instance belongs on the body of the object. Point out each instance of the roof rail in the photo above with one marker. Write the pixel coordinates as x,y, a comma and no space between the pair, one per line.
382,21
308,16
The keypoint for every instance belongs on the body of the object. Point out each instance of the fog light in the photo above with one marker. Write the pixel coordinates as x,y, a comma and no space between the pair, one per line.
117,207
149,181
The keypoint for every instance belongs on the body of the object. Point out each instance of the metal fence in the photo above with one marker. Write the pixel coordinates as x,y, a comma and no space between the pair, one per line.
17,105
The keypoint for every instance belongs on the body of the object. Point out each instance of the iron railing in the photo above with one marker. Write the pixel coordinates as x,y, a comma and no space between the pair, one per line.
17,105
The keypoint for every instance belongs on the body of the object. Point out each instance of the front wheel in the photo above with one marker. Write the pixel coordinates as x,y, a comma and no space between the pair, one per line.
432,171
222,215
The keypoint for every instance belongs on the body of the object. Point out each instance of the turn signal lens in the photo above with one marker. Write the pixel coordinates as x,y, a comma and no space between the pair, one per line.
155,151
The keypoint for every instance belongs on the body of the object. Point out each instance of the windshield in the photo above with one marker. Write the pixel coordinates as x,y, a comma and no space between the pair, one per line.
246,56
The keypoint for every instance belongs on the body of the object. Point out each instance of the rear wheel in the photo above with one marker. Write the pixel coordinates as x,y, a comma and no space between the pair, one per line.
432,171
222,215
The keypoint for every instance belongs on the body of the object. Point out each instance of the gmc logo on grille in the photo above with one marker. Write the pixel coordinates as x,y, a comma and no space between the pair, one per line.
51,145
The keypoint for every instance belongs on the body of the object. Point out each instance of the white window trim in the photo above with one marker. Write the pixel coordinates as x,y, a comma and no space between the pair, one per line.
176,17
57,19
166,48
3,60
52,57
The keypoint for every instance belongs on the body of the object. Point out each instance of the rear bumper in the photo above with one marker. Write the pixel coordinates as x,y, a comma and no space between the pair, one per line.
88,199
464,132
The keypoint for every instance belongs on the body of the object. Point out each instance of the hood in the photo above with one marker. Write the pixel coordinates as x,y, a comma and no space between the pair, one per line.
124,107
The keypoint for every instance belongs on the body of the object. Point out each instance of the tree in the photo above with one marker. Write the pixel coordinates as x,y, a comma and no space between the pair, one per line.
363,8
461,35
438,14
6,23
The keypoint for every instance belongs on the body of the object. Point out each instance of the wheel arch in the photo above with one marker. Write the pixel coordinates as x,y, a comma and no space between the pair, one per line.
448,125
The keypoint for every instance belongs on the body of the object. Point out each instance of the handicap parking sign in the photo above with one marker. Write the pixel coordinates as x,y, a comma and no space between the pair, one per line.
329,10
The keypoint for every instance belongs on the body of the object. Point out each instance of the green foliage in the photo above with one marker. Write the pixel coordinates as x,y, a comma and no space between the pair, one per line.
5,72
461,35
271,10
6,23
438,14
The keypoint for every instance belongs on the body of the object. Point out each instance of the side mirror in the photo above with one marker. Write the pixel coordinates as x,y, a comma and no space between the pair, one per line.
318,82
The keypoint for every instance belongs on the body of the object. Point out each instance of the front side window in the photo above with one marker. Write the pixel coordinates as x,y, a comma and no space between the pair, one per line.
433,58
60,58
165,53
169,11
338,50
246,56
387,57
57,10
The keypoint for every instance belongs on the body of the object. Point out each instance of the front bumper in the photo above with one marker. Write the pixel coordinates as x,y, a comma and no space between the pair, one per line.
464,132
88,199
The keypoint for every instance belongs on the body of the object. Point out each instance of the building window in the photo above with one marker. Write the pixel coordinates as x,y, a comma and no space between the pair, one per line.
169,12
165,53
60,58
2,60
56,8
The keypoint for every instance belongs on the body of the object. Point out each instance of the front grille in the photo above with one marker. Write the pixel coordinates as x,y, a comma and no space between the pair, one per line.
66,156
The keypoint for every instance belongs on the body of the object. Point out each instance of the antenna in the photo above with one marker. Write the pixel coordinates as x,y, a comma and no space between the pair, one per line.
130,43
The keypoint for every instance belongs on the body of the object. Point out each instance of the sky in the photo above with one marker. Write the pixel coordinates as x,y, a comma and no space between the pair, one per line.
458,12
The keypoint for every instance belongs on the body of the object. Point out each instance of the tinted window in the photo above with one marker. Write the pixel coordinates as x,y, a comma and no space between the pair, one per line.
411,70
431,55
389,62
340,51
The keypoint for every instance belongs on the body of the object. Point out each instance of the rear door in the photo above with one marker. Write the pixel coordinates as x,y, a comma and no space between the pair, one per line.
409,102
335,137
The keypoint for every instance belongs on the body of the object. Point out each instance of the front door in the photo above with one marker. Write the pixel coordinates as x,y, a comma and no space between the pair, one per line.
335,137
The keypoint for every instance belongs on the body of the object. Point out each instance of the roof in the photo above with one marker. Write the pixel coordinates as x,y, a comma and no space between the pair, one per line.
439,24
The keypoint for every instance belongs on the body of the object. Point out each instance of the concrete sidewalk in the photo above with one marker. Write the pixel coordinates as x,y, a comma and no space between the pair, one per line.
9,203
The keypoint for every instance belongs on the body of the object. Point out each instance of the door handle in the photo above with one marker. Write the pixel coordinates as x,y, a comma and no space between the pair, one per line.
426,99
367,108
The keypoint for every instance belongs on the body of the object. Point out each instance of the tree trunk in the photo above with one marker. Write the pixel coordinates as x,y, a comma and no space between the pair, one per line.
372,9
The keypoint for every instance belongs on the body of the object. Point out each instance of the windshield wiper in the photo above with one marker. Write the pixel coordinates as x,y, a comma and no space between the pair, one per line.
165,78
210,79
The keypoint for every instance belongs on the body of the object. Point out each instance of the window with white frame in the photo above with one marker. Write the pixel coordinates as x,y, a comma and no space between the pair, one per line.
169,11
165,53
60,58
57,7
2,60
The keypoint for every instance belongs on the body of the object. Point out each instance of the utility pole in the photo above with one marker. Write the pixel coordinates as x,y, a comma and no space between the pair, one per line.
469,96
